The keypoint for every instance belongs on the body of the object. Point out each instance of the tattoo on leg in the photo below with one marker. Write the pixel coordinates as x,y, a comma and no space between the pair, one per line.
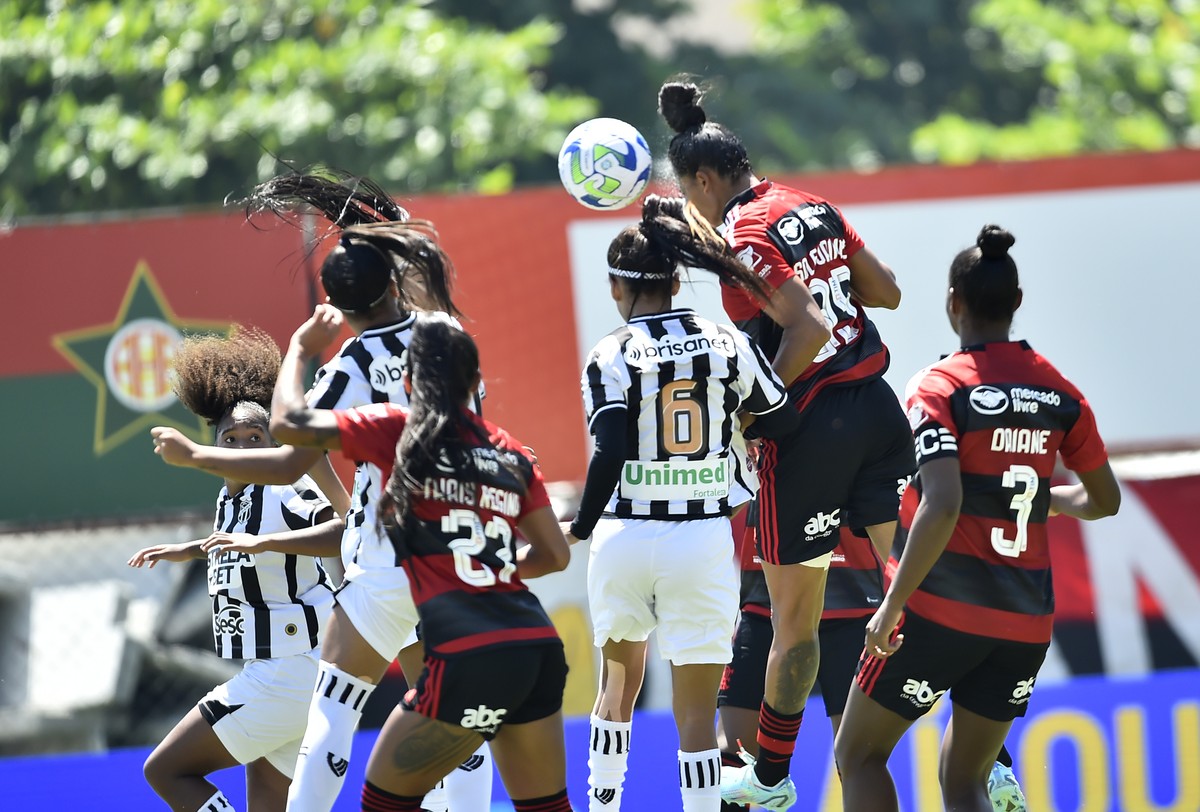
430,744
795,673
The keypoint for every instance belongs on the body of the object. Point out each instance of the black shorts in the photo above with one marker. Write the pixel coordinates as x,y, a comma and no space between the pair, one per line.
852,454
483,691
993,678
744,679
745,676
841,646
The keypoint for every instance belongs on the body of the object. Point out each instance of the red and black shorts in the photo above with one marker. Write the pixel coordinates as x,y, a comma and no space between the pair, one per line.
744,679
482,691
852,454
993,678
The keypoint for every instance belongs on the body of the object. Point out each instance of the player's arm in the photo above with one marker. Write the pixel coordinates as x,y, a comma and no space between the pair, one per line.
185,551
292,419
932,525
322,540
872,282
261,466
610,429
547,550
805,330
1096,495
331,485
765,405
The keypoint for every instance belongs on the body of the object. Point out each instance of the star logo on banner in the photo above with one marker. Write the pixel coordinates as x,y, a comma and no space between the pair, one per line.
129,363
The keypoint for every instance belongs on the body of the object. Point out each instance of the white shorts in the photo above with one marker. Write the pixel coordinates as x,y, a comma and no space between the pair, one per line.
677,576
379,602
263,710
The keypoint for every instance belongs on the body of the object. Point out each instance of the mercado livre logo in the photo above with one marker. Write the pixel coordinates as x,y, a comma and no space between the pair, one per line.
129,363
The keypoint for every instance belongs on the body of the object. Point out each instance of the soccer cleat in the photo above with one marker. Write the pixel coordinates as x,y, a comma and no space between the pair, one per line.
1004,790
739,785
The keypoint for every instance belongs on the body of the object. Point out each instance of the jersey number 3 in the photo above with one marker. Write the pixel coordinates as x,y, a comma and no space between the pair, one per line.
1025,480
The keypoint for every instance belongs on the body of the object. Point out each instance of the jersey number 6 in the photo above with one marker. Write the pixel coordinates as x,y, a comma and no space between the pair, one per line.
684,427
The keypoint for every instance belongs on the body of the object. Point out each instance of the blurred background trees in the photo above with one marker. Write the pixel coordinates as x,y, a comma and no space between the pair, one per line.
126,104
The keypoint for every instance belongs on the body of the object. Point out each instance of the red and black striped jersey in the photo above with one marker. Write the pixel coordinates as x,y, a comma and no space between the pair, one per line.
1006,414
780,233
853,587
459,545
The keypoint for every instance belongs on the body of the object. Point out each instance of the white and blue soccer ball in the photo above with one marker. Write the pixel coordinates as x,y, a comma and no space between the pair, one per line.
605,164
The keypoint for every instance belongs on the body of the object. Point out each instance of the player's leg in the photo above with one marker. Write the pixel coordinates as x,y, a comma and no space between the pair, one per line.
805,479
696,601
694,701
266,787
532,761
620,599
867,734
411,755
741,692
373,615
968,752
176,769
623,667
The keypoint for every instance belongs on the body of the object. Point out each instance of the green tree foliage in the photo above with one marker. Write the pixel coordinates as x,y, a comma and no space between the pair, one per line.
864,82
1115,74
130,104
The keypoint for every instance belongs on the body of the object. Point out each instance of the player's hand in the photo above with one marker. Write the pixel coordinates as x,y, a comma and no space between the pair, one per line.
567,534
318,333
149,556
880,642
753,453
238,542
173,446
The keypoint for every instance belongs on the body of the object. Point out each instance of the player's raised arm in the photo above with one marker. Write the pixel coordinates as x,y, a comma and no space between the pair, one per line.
292,420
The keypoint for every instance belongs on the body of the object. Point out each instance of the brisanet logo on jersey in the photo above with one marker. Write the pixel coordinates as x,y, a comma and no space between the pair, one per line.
643,351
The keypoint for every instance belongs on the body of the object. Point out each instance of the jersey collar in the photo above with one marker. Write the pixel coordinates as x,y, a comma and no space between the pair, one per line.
678,311
983,347
390,327
747,195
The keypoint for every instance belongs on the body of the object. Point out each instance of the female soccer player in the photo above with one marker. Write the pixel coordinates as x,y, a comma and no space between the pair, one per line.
972,593
380,273
271,597
853,449
663,395
460,488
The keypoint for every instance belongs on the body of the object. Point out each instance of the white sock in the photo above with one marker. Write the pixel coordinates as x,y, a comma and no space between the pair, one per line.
608,759
435,799
700,780
217,803
337,705
469,785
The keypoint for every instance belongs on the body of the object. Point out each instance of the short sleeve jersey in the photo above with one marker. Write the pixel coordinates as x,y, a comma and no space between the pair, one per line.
782,233
1006,414
369,368
267,604
459,545
680,379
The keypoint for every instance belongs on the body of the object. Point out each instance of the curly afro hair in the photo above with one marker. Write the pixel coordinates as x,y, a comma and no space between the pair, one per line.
213,374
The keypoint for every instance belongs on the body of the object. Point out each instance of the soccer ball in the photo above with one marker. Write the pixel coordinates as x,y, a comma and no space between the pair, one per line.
604,164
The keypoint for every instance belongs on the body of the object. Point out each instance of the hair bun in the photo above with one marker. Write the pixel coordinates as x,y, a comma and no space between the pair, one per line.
679,103
994,242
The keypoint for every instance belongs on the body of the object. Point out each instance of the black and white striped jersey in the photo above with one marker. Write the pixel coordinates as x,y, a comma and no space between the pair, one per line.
369,368
268,604
682,379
